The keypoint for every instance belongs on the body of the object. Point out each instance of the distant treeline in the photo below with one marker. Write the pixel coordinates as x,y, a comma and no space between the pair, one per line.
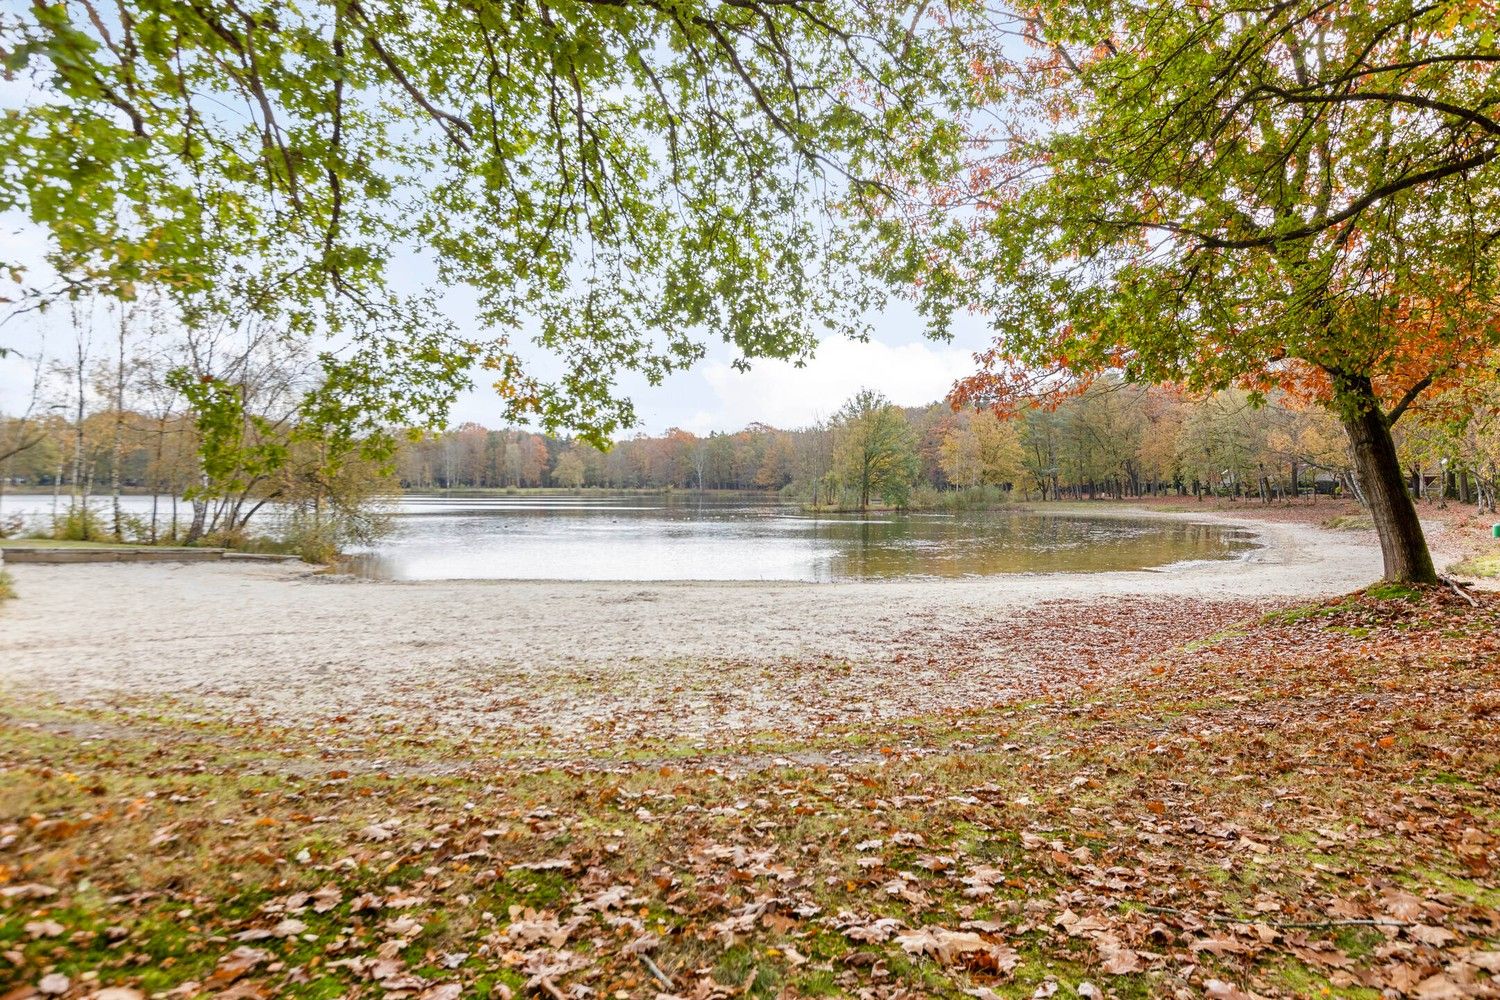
1114,440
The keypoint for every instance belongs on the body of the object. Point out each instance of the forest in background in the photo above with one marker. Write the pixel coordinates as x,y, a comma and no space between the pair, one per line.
1112,440
127,425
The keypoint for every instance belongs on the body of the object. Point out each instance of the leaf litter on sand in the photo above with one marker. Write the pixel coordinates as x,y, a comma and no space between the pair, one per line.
1306,805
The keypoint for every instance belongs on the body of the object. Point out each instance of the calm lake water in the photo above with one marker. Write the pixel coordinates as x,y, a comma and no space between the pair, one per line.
685,536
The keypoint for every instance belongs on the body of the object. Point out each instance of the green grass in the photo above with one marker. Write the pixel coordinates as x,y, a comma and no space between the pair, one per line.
1393,592
1485,565
1305,612
7,586
1303,981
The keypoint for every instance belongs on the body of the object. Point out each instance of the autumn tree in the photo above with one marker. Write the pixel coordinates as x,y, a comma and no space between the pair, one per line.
979,448
874,455
1300,195
568,470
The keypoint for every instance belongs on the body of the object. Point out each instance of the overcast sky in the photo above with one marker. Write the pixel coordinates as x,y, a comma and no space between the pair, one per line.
897,361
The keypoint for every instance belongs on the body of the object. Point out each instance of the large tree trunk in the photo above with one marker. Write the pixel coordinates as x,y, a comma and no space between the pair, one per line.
1382,484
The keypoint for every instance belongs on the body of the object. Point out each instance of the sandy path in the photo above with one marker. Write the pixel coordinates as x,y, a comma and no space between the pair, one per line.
681,659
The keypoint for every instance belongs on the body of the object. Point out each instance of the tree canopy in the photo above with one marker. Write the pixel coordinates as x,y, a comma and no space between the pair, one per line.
623,179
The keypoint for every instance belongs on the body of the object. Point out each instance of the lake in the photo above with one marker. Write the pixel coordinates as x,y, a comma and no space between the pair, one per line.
689,536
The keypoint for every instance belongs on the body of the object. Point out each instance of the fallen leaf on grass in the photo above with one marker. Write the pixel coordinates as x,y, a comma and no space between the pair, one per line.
1221,944
1427,934
1117,959
30,890
551,864
404,927
54,984
327,898
234,965
951,947
1438,987
875,932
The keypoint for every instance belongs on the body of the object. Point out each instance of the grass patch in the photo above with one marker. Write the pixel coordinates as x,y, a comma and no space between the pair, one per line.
1393,592
1479,566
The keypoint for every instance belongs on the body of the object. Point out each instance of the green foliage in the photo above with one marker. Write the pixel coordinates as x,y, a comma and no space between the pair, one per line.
79,523
1227,189
874,452
7,586
569,470
314,541
626,179
1300,195
235,447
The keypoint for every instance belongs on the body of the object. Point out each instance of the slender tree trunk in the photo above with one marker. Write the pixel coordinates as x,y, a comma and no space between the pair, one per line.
1402,544
78,453
118,449
57,487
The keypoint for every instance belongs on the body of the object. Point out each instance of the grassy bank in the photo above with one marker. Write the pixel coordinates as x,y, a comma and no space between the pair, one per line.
1304,805
1487,565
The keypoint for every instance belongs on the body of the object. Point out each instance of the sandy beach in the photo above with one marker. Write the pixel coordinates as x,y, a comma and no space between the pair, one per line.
285,644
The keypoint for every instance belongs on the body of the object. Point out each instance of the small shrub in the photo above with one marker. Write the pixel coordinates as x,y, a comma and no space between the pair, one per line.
7,586
237,539
80,524
134,528
318,544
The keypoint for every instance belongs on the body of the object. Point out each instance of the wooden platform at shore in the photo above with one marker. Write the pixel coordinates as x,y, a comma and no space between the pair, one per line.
20,552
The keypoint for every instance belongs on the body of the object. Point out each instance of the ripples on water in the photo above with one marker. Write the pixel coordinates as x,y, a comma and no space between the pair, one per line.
687,537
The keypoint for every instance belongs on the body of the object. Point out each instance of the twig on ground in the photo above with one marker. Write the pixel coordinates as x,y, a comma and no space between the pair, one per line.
550,988
1460,591
655,970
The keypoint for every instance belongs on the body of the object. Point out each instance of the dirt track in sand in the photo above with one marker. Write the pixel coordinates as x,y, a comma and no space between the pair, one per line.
673,659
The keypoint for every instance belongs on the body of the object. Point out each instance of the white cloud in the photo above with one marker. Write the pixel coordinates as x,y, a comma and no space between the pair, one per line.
715,396
781,394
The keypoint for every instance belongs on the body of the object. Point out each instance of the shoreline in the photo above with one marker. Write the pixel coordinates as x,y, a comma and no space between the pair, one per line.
286,644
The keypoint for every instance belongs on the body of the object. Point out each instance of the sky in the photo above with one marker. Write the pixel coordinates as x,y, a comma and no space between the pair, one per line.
714,396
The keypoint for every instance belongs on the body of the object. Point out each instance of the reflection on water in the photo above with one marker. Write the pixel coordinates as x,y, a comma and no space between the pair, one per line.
688,537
